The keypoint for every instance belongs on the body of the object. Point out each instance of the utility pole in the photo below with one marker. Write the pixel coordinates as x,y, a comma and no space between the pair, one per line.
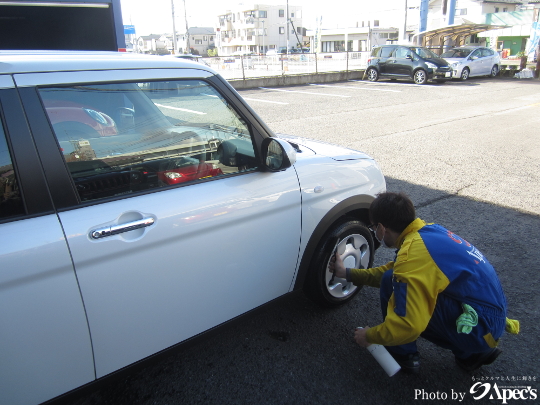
537,29
405,39
263,51
287,27
187,29
173,28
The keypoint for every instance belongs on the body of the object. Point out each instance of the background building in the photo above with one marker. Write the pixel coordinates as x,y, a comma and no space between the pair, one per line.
198,41
258,28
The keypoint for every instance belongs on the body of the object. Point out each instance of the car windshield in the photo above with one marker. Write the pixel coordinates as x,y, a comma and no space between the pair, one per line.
424,53
456,53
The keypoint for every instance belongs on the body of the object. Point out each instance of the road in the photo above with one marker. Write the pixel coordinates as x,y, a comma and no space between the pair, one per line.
468,154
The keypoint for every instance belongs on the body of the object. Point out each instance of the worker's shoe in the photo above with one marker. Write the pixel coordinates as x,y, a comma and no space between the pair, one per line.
478,360
409,363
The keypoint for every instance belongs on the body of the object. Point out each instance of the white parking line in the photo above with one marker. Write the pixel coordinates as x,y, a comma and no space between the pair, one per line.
180,109
305,92
264,101
354,88
391,84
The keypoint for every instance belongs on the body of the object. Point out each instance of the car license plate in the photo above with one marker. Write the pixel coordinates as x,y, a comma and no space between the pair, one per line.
447,74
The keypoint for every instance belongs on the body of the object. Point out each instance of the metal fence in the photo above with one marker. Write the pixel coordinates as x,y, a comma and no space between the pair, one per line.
242,67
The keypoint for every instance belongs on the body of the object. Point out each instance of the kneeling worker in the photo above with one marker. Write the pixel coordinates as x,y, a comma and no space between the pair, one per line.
439,286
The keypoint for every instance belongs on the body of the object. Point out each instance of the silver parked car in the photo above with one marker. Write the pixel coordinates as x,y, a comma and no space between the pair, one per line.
470,61
143,203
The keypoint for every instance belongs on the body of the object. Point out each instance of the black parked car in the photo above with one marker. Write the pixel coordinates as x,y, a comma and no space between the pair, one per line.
407,62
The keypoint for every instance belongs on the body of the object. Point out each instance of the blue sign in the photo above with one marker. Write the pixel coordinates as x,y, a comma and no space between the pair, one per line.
129,29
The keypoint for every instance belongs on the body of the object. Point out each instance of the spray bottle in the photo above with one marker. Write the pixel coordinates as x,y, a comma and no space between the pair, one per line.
385,359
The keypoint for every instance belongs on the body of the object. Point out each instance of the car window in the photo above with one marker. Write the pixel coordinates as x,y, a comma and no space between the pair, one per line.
375,52
456,53
477,53
124,138
11,203
487,52
402,52
386,51
424,53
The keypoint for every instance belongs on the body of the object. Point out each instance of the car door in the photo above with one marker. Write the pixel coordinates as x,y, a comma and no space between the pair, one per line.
174,229
45,346
488,57
476,63
386,60
403,64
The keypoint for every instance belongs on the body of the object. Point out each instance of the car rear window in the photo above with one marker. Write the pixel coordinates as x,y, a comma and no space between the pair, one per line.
386,51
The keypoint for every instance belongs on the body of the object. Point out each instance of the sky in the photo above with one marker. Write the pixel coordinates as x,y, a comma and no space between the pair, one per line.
155,16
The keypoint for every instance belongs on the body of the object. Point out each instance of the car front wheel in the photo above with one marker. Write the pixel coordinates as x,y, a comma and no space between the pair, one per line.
354,243
465,74
420,77
372,75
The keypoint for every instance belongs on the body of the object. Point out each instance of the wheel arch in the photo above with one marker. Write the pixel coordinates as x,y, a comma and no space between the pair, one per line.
356,207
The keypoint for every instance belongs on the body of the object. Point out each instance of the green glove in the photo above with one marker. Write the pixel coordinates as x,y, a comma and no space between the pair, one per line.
467,320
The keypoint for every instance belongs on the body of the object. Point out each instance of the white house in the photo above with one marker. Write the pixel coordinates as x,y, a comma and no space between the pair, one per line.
257,28
198,40
351,39
153,44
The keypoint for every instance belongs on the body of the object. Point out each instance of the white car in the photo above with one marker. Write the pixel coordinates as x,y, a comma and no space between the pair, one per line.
142,203
470,61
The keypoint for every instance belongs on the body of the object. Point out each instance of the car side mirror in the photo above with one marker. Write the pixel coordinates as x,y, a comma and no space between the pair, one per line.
409,57
277,154
473,57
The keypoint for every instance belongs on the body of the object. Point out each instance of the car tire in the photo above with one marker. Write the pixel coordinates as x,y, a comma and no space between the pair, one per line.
372,75
355,244
465,73
494,71
420,76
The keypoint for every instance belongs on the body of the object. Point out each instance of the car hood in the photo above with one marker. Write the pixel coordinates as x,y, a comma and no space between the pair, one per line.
326,149
439,62
452,60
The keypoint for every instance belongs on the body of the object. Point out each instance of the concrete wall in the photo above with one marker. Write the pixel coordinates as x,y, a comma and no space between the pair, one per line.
292,80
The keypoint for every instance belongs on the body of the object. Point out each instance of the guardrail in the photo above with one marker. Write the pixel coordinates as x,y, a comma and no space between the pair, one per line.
252,66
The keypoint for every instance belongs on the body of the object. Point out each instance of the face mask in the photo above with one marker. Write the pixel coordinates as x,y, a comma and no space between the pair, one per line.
381,241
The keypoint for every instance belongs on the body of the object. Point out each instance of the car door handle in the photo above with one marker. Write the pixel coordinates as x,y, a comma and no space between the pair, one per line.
116,229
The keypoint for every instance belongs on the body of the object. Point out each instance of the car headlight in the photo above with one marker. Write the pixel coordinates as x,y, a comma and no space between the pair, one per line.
173,175
431,65
454,65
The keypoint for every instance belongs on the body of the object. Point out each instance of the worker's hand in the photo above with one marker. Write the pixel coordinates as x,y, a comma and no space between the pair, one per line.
360,336
336,265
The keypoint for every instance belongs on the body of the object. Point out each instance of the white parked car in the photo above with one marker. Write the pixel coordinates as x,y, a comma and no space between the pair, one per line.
142,203
470,61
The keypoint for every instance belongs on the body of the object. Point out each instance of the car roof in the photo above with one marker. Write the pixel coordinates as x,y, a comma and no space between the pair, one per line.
12,62
467,47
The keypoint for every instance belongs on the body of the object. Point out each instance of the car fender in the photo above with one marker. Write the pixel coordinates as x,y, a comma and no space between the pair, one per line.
356,207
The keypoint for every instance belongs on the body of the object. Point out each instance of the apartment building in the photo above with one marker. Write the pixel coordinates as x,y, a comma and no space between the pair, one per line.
258,28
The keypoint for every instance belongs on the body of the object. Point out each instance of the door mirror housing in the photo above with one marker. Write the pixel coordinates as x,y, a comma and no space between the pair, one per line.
277,154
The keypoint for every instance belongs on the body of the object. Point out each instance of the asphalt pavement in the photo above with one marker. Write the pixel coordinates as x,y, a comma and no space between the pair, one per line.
468,154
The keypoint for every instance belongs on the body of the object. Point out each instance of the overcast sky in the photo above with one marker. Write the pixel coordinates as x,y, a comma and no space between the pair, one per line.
155,16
